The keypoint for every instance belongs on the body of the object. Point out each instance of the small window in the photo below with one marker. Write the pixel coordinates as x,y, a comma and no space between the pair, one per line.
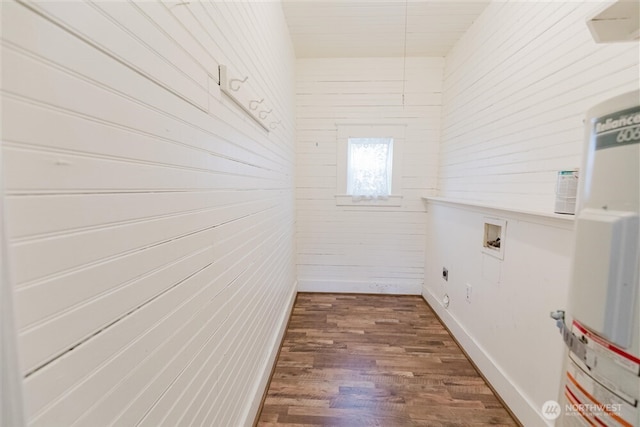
370,164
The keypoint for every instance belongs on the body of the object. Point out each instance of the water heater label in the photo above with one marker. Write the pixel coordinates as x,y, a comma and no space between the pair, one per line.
595,403
608,365
602,346
621,128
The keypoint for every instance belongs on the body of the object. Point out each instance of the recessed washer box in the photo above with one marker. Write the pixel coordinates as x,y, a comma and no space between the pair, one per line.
493,237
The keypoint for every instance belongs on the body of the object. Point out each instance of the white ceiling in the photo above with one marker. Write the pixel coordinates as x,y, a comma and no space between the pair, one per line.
376,28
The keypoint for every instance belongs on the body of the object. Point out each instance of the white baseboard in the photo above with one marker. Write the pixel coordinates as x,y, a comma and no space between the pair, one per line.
356,287
523,408
263,382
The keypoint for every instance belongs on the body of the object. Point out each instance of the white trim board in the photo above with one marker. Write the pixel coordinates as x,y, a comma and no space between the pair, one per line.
11,387
359,287
545,218
513,396
348,200
261,385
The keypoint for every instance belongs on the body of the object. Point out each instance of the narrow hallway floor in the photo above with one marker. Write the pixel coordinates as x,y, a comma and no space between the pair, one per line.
374,360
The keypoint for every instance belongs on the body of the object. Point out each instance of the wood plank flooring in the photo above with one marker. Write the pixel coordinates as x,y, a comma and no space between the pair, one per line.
374,360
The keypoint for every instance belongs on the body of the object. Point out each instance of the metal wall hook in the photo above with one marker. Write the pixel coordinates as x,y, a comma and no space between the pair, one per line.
254,104
263,113
235,89
274,125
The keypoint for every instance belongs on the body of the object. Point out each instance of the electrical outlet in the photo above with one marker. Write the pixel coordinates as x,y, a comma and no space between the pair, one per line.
445,274
468,297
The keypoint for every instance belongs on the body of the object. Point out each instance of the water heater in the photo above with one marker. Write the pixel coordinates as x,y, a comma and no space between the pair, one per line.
601,326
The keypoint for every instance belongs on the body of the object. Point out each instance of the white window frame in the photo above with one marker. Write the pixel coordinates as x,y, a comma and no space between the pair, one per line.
344,132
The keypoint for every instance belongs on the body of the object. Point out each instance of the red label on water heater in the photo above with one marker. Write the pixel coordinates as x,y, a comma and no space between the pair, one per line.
606,344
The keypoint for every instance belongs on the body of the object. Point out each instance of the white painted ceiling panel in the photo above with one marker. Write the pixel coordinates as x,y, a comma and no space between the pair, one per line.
370,28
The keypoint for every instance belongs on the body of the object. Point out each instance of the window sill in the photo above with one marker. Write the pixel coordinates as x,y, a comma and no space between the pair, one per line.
347,200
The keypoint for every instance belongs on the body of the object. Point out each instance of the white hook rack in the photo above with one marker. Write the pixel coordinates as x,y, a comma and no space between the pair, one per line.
274,125
240,81
242,96
253,104
263,114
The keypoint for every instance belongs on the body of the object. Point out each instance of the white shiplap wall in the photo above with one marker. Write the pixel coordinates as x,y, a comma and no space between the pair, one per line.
151,221
356,248
516,88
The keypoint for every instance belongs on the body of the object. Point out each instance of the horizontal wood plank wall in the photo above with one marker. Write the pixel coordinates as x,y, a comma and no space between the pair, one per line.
356,248
516,88
151,221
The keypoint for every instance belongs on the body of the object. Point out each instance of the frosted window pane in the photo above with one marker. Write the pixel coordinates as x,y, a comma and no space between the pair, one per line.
369,167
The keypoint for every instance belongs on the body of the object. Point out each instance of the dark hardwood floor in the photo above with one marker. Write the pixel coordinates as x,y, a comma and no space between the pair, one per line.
374,360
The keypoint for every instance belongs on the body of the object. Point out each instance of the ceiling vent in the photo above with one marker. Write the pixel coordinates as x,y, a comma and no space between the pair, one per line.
618,22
